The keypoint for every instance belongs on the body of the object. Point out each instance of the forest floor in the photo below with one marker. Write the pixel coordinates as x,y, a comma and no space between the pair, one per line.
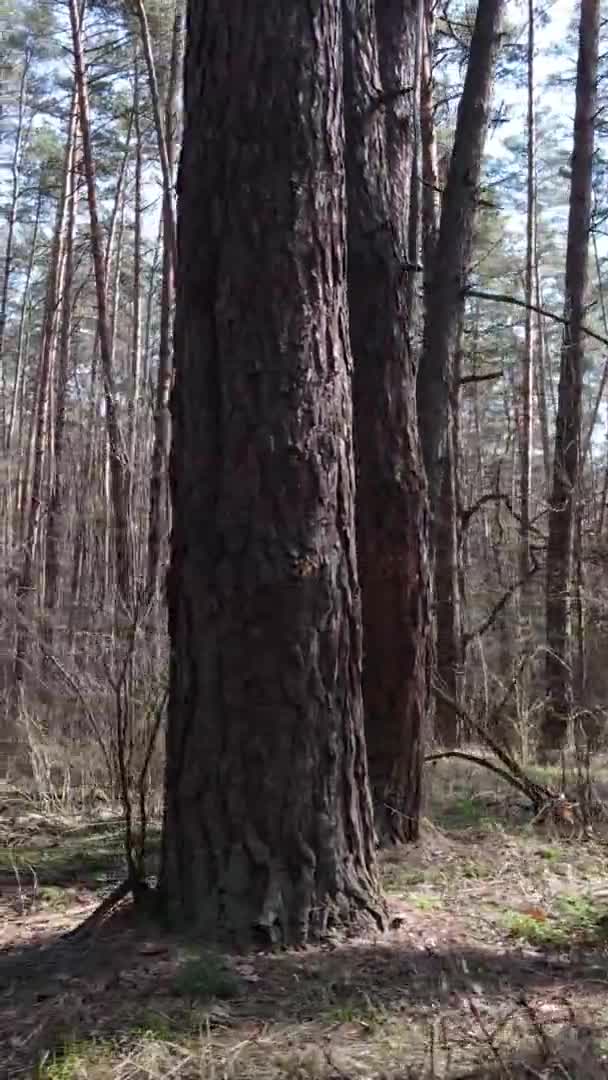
497,967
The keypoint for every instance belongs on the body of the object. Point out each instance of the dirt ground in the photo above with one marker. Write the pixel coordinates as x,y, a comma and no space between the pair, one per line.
496,964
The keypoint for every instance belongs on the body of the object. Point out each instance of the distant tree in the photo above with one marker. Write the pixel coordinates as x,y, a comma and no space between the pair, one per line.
438,378
567,456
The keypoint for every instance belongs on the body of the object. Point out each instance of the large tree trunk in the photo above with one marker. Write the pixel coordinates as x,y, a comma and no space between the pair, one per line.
392,520
566,462
444,312
268,831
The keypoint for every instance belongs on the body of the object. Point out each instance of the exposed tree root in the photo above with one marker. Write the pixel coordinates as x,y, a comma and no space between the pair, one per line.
140,892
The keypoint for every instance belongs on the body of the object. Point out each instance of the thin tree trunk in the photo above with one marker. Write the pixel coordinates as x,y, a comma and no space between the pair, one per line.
21,352
39,429
526,399
56,525
11,222
161,407
268,831
523,599
161,132
444,315
445,295
135,374
604,377
118,456
565,493
431,200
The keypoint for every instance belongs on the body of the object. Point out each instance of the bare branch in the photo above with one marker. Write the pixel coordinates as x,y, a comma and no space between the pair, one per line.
504,298
465,380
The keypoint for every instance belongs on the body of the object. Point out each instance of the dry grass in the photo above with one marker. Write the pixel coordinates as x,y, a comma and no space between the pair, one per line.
497,964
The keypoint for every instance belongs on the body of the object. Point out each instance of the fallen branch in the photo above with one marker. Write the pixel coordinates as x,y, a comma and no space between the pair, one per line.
504,775
538,795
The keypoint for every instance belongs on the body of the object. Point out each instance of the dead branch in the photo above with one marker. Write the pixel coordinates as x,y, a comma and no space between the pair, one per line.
476,760
501,604
466,380
538,795
493,497
505,298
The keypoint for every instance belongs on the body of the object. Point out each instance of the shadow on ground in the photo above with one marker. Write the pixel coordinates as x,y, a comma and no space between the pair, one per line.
129,978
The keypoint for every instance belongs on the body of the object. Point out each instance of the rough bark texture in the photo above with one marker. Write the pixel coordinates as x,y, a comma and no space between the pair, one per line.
268,829
566,462
392,519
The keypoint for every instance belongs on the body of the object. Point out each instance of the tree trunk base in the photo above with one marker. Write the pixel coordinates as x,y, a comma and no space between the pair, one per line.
395,821
310,916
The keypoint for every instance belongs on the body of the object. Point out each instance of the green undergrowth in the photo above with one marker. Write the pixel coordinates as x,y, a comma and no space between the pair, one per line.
571,921
206,975
74,1058
89,857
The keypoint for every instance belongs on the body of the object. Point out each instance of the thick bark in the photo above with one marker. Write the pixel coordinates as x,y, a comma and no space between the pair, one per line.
392,519
566,464
268,831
